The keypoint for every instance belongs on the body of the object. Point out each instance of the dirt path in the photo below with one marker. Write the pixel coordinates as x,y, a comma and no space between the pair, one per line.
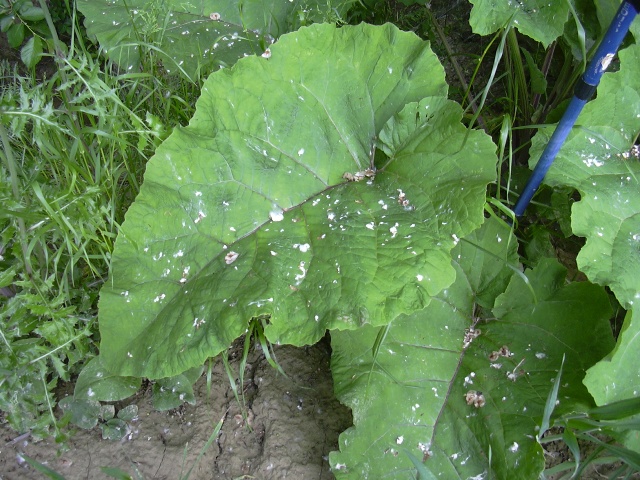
291,426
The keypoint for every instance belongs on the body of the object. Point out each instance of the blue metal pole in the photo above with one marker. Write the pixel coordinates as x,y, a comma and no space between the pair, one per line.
584,90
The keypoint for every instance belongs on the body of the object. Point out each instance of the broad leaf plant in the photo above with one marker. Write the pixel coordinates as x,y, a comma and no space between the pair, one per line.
327,183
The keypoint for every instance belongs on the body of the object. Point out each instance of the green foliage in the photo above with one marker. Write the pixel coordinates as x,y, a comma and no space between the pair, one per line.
616,377
542,21
455,381
323,183
20,20
97,383
115,426
596,161
193,38
87,413
616,419
171,392
226,244
210,244
72,148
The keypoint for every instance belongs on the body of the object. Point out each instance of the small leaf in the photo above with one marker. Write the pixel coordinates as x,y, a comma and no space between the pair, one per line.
31,52
107,412
114,429
5,22
15,34
84,413
7,276
31,13
172,392
193,374
536,77
128,413
95,382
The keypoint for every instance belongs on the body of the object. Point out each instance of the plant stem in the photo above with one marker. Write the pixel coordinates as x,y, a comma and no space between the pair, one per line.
517,67
545,71
456,67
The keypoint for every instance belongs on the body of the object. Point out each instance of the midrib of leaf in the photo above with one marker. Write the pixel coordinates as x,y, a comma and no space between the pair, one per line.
454,376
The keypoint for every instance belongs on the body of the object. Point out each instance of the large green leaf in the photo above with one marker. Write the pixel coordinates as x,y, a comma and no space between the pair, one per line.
409,385
595,160
541,20
199,34
617,377
246,212
98,384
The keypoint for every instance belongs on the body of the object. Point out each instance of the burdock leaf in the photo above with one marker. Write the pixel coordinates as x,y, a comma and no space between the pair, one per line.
195,36
456,385
599,161
541,20
275,201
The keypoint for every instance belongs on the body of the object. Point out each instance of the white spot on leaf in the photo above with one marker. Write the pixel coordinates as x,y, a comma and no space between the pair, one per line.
230,257
201,215
276,216
303,273
303,248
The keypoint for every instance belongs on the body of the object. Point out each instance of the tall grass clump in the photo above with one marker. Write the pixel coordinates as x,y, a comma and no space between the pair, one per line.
73,148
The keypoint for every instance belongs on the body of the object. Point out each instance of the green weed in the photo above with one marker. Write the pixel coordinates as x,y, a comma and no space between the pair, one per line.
73,148
594,430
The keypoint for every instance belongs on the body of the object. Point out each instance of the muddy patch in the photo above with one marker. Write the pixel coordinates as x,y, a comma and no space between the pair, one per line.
286,429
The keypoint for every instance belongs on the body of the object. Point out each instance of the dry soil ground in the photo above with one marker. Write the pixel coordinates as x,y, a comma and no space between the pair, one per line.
292,423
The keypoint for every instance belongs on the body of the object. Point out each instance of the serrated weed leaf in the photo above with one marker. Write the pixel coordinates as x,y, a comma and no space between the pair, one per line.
461,387
274,201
